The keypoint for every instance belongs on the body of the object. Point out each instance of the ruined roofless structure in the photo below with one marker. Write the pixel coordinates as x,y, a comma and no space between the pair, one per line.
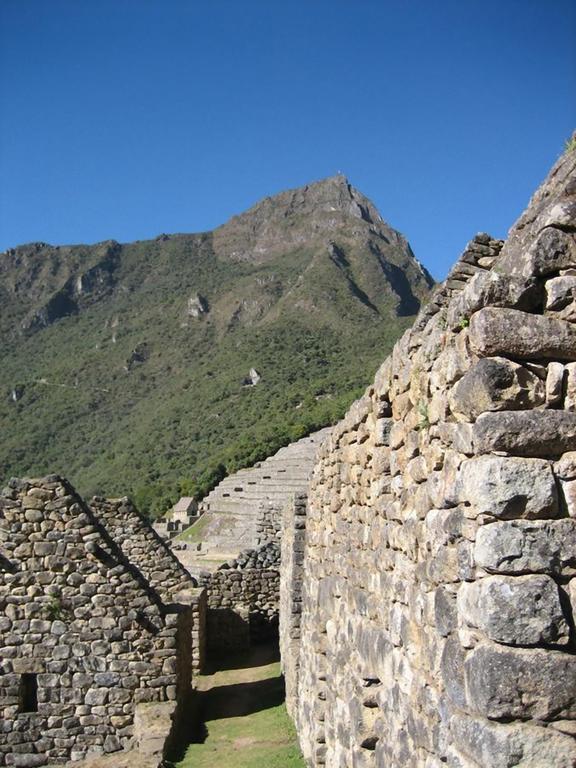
97,617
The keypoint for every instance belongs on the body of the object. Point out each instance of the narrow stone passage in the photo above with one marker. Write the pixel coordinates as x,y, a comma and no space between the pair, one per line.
244,723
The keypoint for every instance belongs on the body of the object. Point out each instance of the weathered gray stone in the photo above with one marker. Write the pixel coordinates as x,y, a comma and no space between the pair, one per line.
499,745
570,387
525,433
26,760
517,334
560,294
520,682
495,290
522,546
568,496
452,666
565,467
554,383
508,487
562,215
495,384
382,433
550,252
445,613
517,610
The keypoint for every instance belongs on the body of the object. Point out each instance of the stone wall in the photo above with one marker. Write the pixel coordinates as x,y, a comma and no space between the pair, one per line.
142,546
291,574
84,636
439,574
269,525
242,595
199,608
242,607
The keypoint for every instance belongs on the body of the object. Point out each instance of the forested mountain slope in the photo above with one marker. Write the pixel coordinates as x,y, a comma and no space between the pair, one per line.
127,367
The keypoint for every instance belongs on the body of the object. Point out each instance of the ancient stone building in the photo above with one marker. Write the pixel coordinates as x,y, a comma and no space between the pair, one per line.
436,579
97,618
183,514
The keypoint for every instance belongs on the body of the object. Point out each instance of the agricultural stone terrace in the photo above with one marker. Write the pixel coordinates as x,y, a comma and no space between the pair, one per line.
428,611
243,511
239,560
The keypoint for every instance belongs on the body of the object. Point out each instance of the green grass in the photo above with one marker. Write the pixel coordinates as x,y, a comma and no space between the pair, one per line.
265,739
195,532
246,722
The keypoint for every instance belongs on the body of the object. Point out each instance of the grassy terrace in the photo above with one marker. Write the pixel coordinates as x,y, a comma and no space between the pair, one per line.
195,532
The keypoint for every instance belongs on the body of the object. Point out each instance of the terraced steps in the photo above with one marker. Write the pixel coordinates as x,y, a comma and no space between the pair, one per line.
232,511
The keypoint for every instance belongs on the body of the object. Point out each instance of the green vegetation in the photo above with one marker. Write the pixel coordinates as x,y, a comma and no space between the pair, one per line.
55,610
195,532
246,723
130,394
570,145
423,417
265,739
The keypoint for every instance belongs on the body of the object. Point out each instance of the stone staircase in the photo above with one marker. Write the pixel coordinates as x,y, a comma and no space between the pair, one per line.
230,514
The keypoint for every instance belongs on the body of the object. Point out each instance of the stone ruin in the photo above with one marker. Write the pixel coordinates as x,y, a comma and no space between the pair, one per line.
427,576
238,562
235,515
428,585
97,619
181,516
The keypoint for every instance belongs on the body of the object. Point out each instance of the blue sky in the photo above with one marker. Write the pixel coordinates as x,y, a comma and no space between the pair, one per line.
127,118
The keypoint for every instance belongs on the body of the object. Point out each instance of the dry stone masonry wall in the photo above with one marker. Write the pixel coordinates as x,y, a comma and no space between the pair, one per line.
142,546
291,574
243,511
242,607
85,635
439,582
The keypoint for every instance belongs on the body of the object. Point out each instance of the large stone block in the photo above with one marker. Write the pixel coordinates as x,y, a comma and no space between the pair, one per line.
522,546
520,683
500,745
508,487
552,251
517,610
496,384
561,297
554,384
561,214
494,290
452,668
508,332
525,433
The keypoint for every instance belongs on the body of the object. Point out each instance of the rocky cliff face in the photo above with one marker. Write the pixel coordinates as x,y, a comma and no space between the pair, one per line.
123,364
438,588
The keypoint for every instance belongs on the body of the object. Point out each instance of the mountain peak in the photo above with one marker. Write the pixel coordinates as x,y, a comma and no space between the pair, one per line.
315,210
337,191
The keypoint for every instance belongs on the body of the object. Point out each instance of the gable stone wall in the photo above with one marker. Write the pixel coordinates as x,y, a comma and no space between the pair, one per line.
439,576
84,637
142,546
